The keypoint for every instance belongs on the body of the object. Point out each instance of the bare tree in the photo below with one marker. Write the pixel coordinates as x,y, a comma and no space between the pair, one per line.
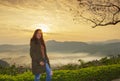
99,12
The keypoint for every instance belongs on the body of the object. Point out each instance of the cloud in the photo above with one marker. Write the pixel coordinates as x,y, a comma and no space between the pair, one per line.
39,4
24,30
22,4
6,27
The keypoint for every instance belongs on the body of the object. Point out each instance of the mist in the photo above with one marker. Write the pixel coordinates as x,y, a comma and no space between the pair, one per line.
56,59
60,53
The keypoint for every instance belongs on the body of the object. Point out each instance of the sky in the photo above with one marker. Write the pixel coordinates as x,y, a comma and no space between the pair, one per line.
19,19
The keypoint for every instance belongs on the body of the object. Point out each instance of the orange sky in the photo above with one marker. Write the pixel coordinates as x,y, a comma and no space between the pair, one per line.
20,18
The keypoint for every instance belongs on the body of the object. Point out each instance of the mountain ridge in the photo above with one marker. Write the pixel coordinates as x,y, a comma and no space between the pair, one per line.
110,48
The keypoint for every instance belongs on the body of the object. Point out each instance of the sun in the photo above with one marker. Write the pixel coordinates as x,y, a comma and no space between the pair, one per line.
44,27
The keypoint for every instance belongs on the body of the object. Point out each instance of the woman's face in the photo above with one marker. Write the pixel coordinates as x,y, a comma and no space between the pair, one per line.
38,35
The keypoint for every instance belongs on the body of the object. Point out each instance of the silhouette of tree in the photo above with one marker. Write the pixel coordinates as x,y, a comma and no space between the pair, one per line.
99,12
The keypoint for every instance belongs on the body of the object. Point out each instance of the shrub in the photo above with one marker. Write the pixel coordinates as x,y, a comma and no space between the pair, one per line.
98,73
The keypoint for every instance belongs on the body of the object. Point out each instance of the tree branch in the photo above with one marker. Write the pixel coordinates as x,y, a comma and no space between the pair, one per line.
100,10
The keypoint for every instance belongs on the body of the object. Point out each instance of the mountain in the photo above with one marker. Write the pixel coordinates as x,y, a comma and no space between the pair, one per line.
111,48
113,41
3,63
107,41
70,47
14,48
103,48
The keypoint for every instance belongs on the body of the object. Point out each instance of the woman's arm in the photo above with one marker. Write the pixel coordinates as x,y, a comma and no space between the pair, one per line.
48,61
47,57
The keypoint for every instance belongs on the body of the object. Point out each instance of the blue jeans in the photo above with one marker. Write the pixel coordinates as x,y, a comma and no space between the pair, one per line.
48,72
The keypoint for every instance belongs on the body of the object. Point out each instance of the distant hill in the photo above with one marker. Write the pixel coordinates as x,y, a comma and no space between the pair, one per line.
3,63
14,48
111,47
107,41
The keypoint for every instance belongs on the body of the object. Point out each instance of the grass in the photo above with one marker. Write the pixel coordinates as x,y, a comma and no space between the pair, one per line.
96,73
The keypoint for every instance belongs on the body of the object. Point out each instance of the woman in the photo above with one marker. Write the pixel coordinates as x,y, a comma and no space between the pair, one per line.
40,61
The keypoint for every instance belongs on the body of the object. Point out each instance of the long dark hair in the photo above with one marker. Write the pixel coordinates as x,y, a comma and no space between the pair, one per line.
41,40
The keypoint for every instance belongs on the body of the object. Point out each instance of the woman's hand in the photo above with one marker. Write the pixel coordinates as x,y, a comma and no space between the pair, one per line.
42,63
51,73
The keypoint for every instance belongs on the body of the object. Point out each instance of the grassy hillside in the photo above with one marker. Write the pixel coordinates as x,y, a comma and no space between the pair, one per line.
96,73
105,69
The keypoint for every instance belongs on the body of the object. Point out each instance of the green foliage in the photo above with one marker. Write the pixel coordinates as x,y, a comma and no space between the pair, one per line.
105,69
12,70
103,61
99,73
96,73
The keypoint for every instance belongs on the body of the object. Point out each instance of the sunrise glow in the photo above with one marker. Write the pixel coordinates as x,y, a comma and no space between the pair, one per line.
43,27
54,18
